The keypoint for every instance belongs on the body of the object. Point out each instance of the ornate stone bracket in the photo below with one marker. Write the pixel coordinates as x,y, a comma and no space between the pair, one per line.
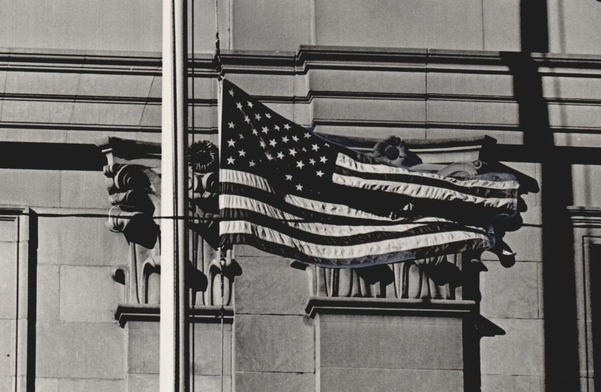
134,186
134,192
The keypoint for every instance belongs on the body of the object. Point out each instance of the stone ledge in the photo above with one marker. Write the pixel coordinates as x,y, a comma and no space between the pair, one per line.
14,210
389,307
290,62
65,156
144,312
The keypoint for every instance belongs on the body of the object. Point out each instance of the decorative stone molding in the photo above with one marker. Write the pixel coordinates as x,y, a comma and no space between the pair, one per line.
303,65
439,278
306,57
368,306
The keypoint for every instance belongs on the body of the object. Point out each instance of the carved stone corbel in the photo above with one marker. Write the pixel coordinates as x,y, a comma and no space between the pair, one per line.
135,198
134,186
134,193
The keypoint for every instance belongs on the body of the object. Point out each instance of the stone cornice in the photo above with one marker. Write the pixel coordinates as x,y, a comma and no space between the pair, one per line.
307,57
14,210
145,312
308,62
79,61
383,306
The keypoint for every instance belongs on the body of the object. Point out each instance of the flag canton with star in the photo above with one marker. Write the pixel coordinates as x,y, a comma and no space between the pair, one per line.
255,139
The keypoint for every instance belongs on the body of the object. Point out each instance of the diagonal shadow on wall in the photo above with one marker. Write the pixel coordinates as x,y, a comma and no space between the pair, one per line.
561,368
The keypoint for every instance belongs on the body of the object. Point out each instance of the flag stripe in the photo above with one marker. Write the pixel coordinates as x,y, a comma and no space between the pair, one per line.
424,178
395,257
400,181
422,191
319,233
375,235
334,255
416,182
244,178
423,185
237,204
301,207
255,187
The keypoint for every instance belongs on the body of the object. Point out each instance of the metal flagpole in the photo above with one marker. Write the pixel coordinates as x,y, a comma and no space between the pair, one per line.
174,371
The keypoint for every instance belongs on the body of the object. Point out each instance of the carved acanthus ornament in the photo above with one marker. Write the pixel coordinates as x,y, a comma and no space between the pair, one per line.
442,277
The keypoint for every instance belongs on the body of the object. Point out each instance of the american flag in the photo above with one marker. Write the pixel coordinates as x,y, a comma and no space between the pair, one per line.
288,191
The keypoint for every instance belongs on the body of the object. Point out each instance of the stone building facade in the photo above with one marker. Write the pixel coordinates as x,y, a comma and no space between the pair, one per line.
78,78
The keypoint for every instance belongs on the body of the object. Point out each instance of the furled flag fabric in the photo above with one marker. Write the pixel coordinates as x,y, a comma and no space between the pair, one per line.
291,192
